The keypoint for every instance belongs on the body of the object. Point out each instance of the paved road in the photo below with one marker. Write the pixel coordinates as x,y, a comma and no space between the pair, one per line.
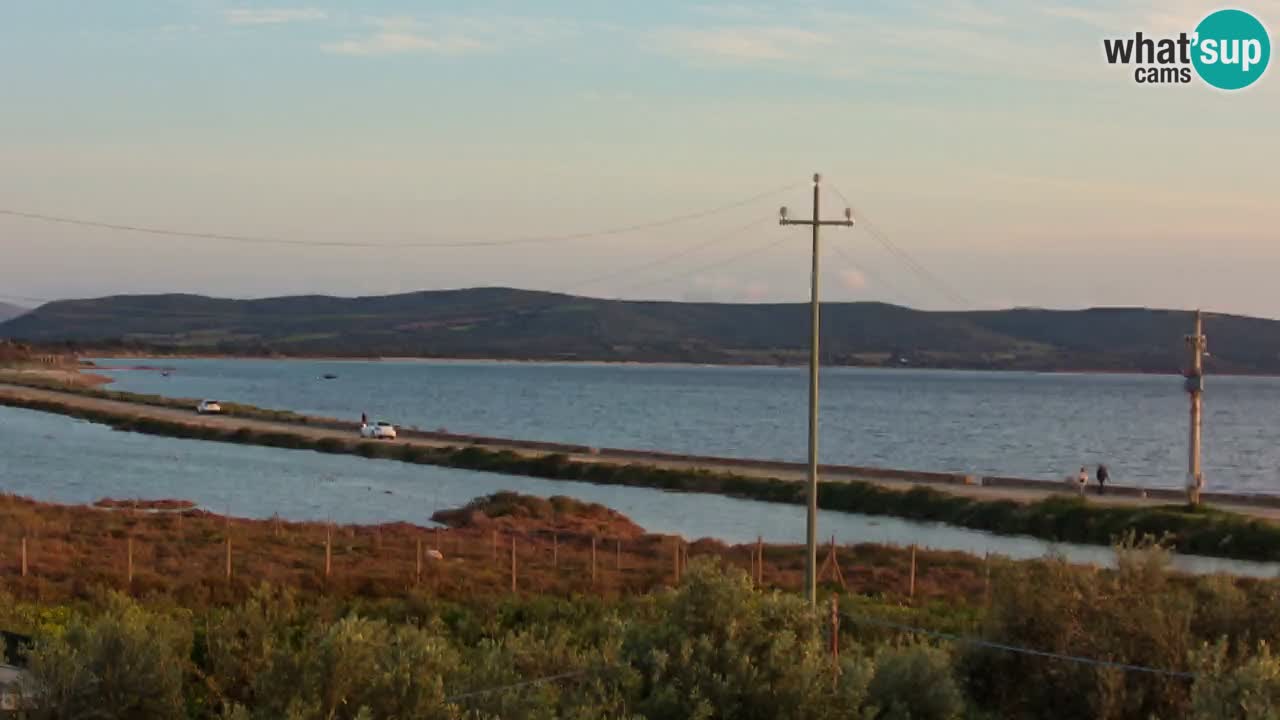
785,471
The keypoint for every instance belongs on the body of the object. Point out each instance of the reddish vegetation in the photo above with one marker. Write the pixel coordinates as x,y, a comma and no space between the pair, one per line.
167,504
511,512
71,550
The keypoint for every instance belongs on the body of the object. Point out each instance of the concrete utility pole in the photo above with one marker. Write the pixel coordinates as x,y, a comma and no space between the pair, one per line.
1195,387
811,559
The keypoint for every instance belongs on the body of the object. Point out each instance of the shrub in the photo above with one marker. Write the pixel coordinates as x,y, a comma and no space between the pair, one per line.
720,650
1240,689
124,664
914,683
357,668
1134,614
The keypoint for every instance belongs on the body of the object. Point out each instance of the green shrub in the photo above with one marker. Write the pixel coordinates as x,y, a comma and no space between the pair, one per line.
1235,688
720,650
125,664
1134,614
915,682
356,668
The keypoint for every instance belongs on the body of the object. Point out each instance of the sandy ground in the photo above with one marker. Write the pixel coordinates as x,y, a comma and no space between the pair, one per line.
191,418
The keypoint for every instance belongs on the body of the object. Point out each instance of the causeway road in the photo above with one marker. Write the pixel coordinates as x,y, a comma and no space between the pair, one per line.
984,488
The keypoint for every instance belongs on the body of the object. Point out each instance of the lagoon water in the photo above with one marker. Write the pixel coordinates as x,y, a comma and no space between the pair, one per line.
1042,426
58,459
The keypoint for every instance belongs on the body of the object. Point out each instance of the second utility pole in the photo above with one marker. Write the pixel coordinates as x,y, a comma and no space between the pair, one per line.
1195,387
811,537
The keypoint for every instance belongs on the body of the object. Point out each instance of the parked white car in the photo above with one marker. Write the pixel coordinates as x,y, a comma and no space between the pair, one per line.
378,431
208,407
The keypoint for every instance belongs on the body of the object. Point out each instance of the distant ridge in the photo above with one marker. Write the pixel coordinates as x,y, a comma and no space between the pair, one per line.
505,323
8,311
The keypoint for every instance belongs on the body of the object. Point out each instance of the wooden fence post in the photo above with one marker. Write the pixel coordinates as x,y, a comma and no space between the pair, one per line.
328,551
129,562
228,558
758,565
675,562
986,586
617,557
555,550
513,563
24,556
495,544
417,572
911,591
835,643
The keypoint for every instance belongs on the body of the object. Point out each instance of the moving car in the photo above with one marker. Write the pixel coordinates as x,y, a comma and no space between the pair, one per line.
378,431
208,407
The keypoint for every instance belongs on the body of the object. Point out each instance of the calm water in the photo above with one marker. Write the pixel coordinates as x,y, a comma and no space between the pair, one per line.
59,459
1021,424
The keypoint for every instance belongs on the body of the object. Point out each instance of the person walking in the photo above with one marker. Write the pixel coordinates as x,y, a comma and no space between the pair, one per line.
1082,480
1103,477
364,419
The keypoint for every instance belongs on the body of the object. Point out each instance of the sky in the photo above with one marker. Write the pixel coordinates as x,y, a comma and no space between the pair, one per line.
993,157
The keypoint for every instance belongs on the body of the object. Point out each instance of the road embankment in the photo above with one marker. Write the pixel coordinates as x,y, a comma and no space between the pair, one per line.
1233,528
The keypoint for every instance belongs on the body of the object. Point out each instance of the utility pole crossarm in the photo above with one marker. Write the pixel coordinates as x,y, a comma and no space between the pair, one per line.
842,223
811,529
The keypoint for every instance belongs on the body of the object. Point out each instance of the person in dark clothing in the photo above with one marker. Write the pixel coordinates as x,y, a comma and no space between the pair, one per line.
1103,476
364,419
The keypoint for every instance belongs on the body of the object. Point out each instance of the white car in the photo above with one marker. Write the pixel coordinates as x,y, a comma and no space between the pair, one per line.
378,431
208,407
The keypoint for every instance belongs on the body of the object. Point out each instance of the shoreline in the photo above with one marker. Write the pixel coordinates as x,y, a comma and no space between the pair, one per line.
999,487
426,360
1228,529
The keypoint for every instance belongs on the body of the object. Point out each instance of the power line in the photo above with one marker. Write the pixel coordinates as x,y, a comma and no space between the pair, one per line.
914,265
875,276
753,250
715,240
979,642
242,312
252,239
526,683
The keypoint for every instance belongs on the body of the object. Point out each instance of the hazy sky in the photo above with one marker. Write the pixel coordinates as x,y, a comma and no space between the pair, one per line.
989,141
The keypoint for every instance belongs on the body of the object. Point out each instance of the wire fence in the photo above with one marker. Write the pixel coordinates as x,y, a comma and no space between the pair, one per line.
143,552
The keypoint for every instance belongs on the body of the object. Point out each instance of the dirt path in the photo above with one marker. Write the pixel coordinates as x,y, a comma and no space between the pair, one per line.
785,471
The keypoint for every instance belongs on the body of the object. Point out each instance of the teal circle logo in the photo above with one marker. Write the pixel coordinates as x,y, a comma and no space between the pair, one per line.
1232,49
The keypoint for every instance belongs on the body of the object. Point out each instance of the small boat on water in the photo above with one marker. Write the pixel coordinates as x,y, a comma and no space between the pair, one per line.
327,376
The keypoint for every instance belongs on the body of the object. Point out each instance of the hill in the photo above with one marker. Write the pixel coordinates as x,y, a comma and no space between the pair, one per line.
520,324
8,311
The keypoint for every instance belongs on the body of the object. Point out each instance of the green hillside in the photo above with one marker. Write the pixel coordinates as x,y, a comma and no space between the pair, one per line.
521,324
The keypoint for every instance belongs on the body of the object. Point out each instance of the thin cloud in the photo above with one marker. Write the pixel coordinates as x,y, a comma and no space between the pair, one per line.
277,16
851,279
449,35
741,43
964,12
